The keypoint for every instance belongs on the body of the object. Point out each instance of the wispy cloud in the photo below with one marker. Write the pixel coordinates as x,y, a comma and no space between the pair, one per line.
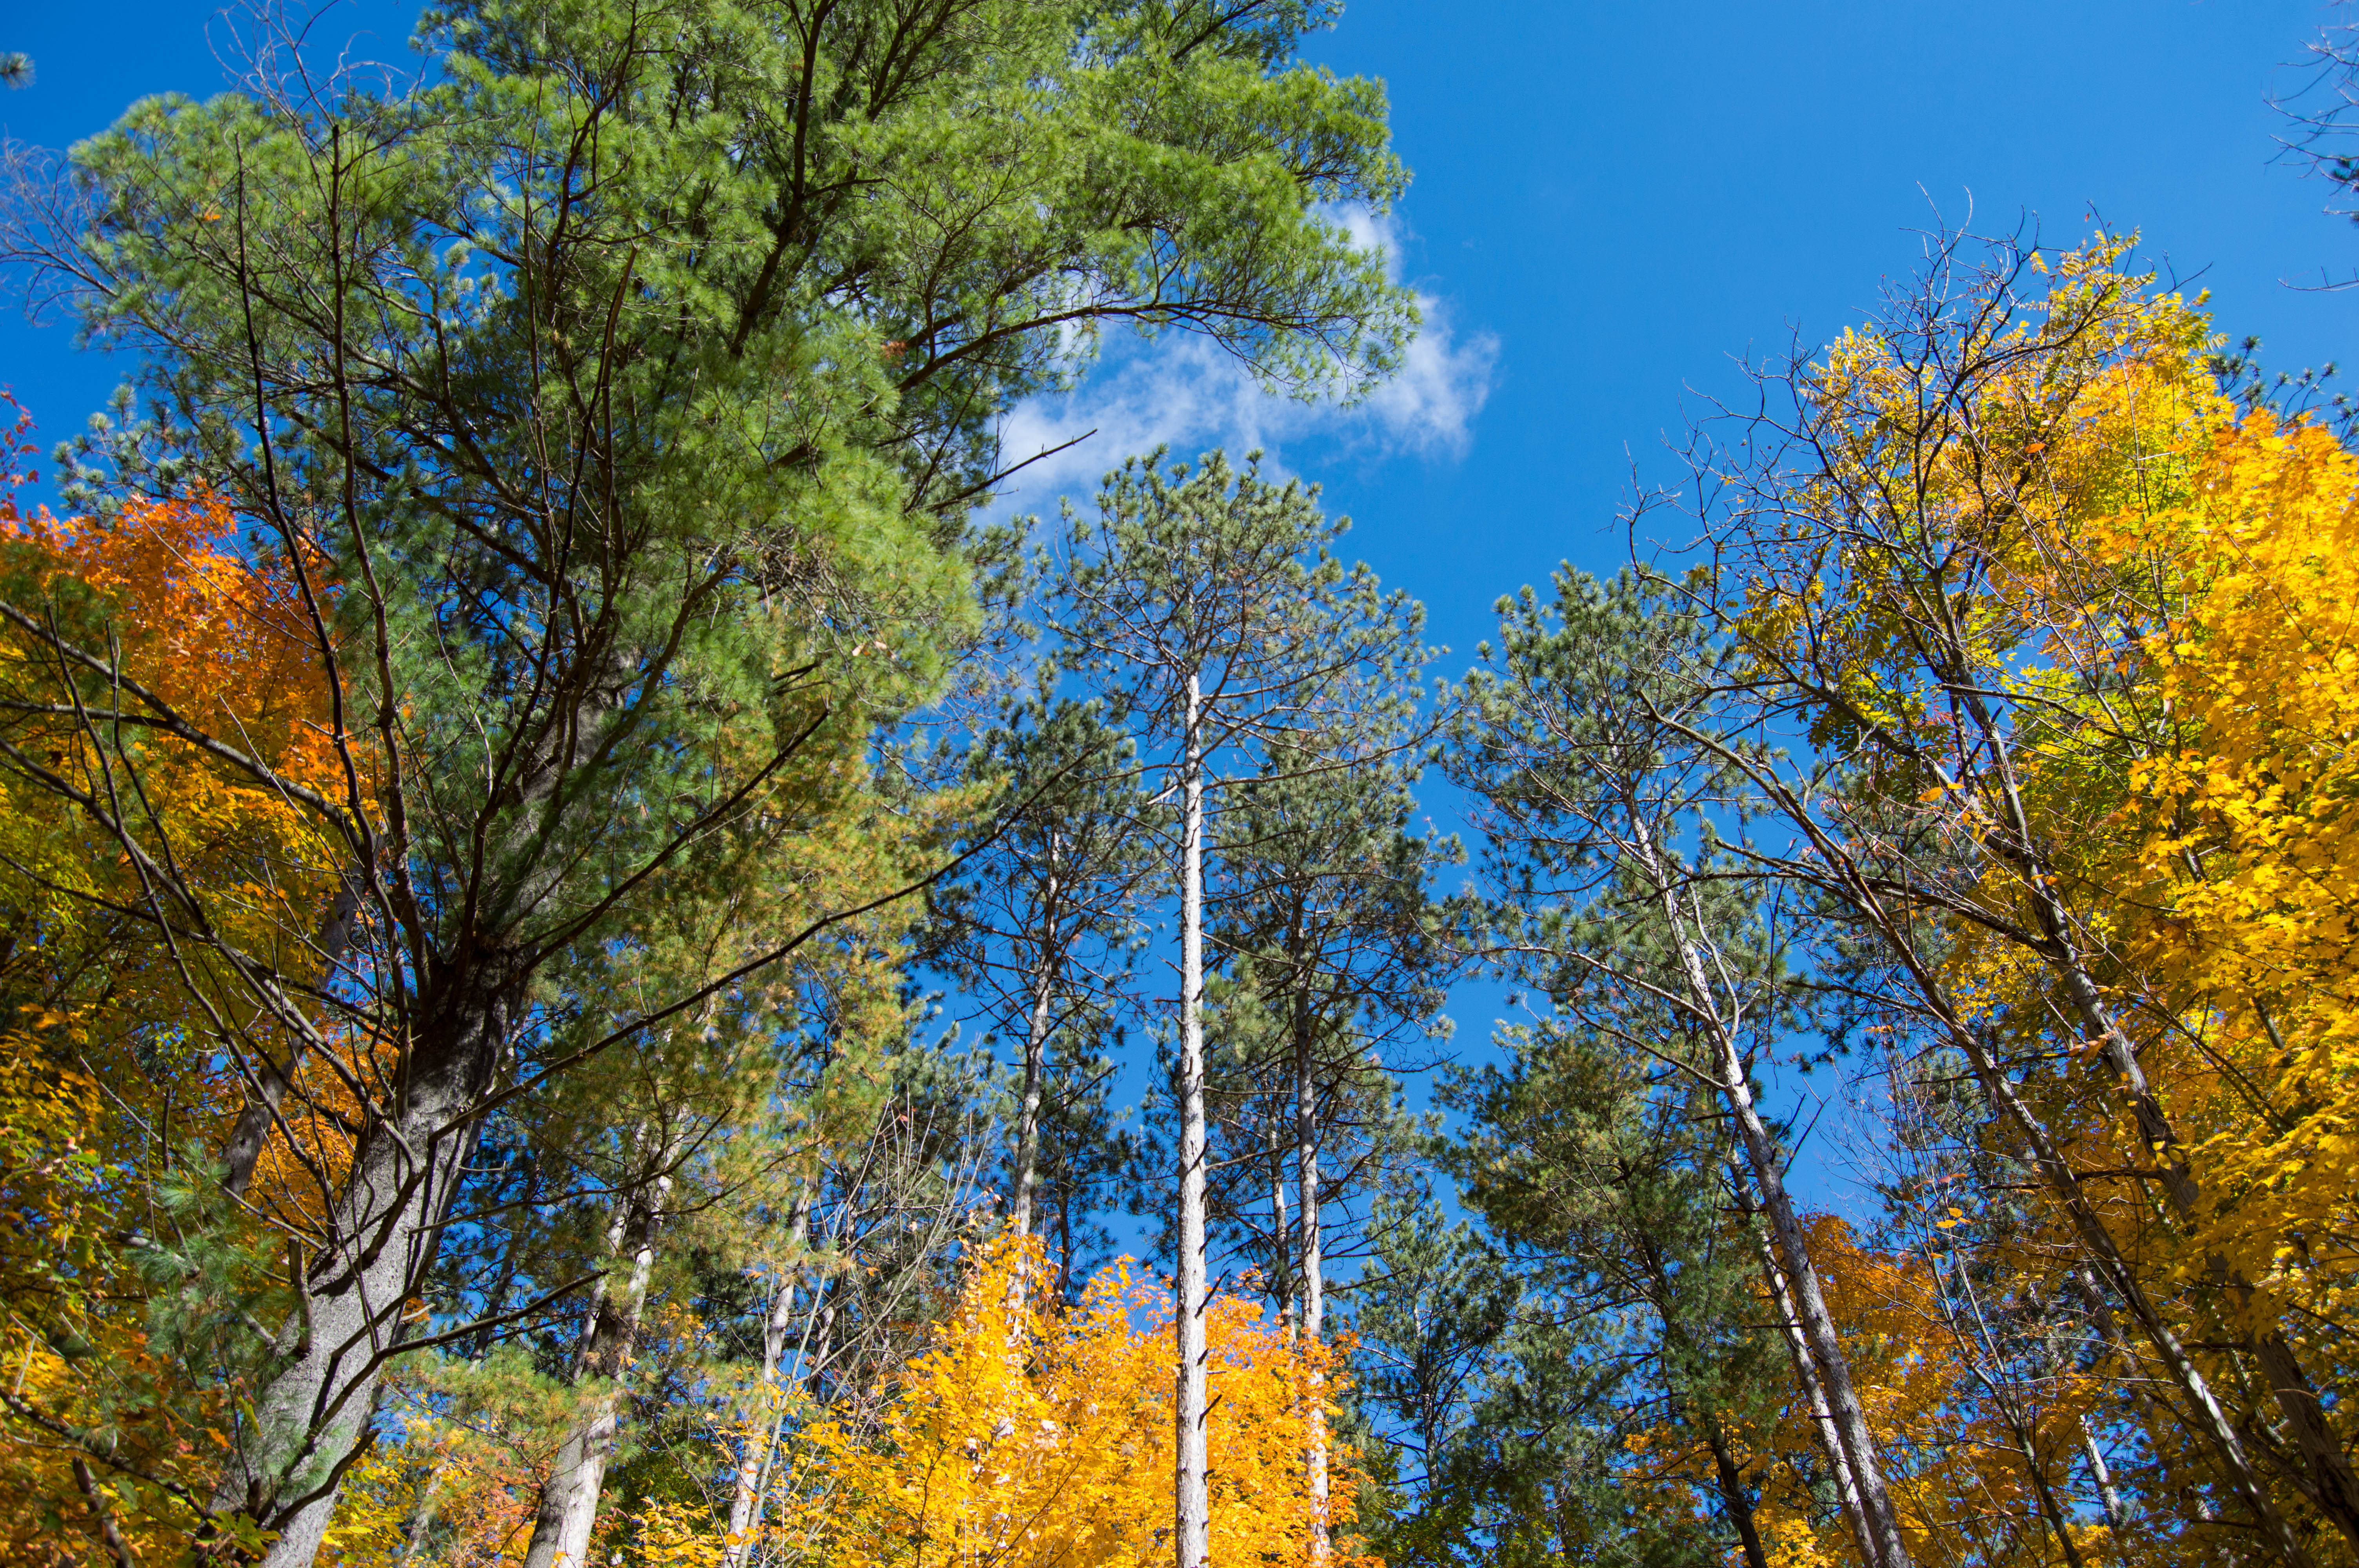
1185,393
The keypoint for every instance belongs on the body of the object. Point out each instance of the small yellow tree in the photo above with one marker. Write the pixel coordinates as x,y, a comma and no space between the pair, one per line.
1038,1435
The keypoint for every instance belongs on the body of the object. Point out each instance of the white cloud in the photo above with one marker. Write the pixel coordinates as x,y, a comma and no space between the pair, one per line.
1185,393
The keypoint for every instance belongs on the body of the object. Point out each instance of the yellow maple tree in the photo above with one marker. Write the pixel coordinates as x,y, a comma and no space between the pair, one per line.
1034,1434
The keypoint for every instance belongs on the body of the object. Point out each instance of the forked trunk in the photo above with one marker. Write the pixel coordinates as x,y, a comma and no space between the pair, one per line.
311,1417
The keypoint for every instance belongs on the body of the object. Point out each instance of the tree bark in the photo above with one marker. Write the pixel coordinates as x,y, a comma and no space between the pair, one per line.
1035,1050
1878,1526
1816,1324
313,1413
1191,1504
2109,1496
1310,1216
1733,1498
569,1500
1806,1372
1281,1248
754,1465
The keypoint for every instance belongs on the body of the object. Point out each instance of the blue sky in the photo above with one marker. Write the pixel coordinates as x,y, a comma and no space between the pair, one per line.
1611,203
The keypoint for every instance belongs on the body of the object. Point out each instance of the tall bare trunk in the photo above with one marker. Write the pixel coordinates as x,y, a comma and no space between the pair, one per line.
1191,1503
1035,1050
569,1501
1877,1526
1806,1372
1809,1305
1308,1205
384,1232
753,1463
1281,1236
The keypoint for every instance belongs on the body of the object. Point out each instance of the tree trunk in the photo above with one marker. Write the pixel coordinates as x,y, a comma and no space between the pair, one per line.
2109,1496
1733,1498
1862,891
2328,1480
1035,1050
754,1465
1811,1316
311,1416
1806,1372
2103,1251
1192,1505
1878,1526
1309,1215
1281,1260
569,1500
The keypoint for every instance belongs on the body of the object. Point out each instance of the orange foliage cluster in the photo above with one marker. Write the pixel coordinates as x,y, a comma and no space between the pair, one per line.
114,1081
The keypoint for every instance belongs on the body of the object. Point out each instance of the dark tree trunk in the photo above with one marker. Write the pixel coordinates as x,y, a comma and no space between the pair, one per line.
311,1416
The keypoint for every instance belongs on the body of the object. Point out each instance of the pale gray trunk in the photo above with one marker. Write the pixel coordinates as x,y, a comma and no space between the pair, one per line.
1878,1526
1315,1285
754,1465
569,1501
2330,1482
1806,1372
1035,1050
311,1417
1811,1316
1192,1505
1281,1231
2108,1495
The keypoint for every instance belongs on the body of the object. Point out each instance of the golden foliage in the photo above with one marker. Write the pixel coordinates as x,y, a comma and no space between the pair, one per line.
1033,1434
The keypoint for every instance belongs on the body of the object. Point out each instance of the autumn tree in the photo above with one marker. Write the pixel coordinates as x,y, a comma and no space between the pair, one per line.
1030,1432
128,1043
1955,563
